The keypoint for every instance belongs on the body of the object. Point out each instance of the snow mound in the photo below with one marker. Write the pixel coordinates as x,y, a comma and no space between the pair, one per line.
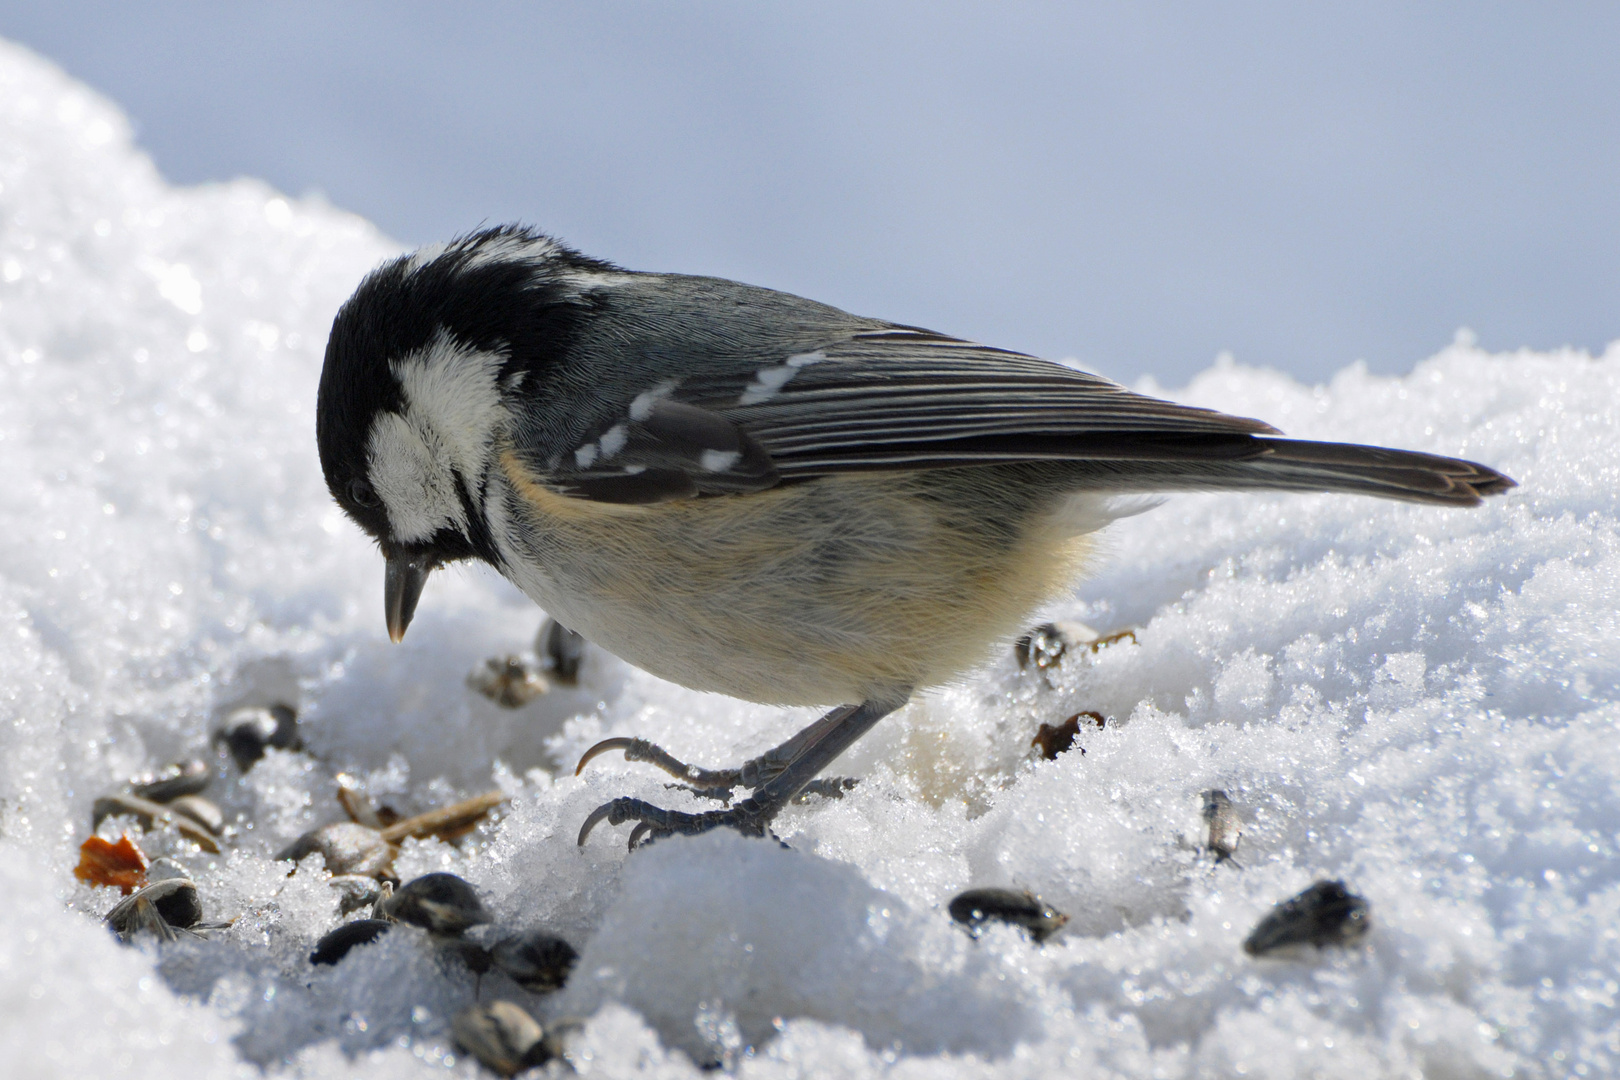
1420,702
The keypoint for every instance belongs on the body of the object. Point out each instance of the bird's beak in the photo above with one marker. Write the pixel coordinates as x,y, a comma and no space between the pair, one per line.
402,588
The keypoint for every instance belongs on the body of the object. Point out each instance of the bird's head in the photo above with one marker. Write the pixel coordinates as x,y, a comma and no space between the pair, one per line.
424,366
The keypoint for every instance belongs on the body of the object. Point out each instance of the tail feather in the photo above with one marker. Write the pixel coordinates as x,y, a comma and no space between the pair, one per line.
1377,470
1295,465
1273,464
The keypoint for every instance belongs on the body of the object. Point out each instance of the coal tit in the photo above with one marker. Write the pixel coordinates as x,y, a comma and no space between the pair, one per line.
744,491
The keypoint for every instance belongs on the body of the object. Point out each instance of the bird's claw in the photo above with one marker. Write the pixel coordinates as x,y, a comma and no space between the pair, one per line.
616,743
660,822
703,780
717,784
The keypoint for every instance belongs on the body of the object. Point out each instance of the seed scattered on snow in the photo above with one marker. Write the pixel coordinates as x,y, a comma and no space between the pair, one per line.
977,906
1325,914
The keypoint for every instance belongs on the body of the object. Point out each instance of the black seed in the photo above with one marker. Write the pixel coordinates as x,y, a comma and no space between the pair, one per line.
181,778
477,958
536,960
562,650
248,732
441,903
976,906
1325,914
334,946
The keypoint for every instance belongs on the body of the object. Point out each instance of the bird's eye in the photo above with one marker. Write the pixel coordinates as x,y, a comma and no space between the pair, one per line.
362,493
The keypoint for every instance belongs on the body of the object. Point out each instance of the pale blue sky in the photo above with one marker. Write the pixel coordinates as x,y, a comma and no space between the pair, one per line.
1139,186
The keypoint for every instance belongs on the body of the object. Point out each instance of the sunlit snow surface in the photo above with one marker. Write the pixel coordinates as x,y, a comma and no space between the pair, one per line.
1419,701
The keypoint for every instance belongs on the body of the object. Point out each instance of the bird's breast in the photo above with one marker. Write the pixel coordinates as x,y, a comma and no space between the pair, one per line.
828,591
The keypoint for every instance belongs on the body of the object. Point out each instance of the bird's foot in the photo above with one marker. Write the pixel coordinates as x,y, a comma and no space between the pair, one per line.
748,817
777,776
717,784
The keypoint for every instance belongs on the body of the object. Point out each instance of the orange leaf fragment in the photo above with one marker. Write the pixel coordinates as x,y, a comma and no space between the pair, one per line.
104,863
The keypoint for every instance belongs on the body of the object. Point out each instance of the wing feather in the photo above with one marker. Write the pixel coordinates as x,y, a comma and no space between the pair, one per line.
909,399
899,397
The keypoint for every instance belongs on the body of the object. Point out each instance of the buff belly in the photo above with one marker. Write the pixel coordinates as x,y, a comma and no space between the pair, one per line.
836,590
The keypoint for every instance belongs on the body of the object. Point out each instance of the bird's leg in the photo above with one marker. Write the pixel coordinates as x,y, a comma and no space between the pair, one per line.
817,745
719,783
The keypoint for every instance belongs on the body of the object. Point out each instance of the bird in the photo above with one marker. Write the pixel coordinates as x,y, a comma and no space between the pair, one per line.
744,491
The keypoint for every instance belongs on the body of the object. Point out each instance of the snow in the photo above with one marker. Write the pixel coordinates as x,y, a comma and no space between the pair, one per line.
1421,702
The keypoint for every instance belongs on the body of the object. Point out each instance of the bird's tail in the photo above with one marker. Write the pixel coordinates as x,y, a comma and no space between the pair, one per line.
1295,465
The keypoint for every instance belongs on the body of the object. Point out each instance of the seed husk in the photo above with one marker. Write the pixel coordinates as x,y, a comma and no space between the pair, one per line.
501,1035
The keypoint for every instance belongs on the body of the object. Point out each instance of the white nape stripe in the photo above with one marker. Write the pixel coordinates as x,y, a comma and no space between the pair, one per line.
718,460
424,255
512,249
452,396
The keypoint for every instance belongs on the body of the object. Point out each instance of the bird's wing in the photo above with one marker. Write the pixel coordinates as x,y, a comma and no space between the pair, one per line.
902,397
893,397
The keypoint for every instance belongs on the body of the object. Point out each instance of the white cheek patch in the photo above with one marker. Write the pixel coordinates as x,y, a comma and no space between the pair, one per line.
449,425
408,481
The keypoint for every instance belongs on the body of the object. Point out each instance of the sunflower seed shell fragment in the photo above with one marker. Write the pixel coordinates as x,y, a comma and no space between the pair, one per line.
508,681
355,891
200,810
160,908
446,822
501,1035
346,848
1225,827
